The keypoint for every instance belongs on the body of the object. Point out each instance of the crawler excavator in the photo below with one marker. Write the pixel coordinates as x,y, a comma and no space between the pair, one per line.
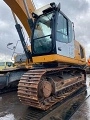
57,59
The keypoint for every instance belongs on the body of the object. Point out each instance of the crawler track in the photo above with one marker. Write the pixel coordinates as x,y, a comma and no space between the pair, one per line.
33,92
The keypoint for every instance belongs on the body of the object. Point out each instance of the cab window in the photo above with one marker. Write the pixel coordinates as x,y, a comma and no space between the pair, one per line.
2,63
70,31
62,29
9,64
64,32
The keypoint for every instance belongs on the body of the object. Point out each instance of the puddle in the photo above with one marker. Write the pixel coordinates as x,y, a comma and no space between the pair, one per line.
9,103
8,117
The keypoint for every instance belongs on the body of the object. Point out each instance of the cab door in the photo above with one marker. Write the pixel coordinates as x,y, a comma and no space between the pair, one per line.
64,36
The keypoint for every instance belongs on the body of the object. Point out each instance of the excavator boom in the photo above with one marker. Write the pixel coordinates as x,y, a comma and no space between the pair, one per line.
18,8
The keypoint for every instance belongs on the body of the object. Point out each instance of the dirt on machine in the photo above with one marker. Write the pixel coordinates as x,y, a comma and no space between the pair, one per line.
57,59
43,88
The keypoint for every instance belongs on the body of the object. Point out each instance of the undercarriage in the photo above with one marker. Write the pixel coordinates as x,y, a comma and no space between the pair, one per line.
42,88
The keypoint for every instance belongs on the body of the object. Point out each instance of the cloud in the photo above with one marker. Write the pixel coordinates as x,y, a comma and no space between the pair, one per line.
75,7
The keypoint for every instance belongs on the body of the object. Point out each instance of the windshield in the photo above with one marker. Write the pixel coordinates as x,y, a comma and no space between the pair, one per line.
9,64
42,33
2,63
6,64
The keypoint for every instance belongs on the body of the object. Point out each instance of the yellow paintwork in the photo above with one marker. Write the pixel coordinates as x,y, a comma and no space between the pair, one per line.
20,64
59,58
77,51
18,8
23,63
3,65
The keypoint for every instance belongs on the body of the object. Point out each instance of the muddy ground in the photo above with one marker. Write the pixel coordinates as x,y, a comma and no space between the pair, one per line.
12,109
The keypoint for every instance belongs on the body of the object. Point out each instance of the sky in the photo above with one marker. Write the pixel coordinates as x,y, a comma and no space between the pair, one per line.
78,11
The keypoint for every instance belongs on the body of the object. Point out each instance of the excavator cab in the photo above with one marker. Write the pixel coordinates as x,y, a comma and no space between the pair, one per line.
53,38
53,34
